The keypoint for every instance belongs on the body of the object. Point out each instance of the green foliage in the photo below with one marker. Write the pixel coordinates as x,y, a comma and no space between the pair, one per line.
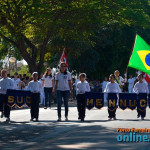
97,34
23,70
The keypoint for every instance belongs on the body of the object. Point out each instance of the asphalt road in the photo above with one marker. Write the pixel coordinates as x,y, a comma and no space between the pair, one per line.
95,133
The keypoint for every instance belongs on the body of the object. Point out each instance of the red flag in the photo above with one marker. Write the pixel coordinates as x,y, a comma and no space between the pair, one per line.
63,59
146,77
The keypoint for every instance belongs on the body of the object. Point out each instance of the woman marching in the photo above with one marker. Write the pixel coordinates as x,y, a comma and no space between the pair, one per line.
48,83
63,89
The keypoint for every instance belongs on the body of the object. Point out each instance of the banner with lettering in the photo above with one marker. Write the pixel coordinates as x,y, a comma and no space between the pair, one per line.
99,100
94,100
127,100
18,98
90,102
149,100
112,101
142,101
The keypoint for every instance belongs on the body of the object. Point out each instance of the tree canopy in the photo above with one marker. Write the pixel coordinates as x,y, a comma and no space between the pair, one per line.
97,34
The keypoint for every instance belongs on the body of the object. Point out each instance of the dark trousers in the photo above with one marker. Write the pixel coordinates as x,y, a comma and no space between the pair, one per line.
35,105
112,114
65,95
81,103
141,113
48,96
4,108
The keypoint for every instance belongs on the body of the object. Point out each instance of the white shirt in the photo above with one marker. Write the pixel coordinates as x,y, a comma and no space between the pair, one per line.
131,82
16,83
77,80
63,79
82,87
140,88
48,81
121,80
104,85
5,83
35,87
112,88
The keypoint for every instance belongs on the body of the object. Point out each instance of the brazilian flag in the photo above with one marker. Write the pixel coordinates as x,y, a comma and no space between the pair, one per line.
140,58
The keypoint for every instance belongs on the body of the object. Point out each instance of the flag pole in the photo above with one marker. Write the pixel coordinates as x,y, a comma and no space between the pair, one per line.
131,53
61,57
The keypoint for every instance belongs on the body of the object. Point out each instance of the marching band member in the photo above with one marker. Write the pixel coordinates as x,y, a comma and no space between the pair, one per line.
112,87
48,83
140,87
81,88
5,83
16,81
63,89
35,87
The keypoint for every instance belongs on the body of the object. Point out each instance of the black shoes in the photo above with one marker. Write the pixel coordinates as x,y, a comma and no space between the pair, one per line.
82,120
8,120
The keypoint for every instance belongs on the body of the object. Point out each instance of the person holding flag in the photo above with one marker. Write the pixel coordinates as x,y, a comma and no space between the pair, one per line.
63,89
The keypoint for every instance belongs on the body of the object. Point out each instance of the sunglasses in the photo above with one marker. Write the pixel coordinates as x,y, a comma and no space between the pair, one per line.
63,66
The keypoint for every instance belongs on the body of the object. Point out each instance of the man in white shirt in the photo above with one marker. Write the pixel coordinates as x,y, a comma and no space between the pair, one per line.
5,83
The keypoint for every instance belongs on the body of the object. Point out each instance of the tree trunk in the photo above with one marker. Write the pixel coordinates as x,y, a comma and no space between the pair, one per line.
33,67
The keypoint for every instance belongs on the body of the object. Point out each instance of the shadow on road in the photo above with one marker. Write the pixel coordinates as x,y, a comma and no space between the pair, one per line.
64,135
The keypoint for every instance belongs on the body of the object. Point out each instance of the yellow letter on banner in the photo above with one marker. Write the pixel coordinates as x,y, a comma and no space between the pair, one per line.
131,104
112,103
18,101
143,103
10,99
28,100
89,102
123,102
99,102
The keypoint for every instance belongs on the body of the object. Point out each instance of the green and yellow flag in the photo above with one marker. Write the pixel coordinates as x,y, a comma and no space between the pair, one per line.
140,58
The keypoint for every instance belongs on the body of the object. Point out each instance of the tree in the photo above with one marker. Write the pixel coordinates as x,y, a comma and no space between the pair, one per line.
40,29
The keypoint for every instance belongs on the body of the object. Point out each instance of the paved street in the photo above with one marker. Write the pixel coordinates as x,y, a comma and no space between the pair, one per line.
95,133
